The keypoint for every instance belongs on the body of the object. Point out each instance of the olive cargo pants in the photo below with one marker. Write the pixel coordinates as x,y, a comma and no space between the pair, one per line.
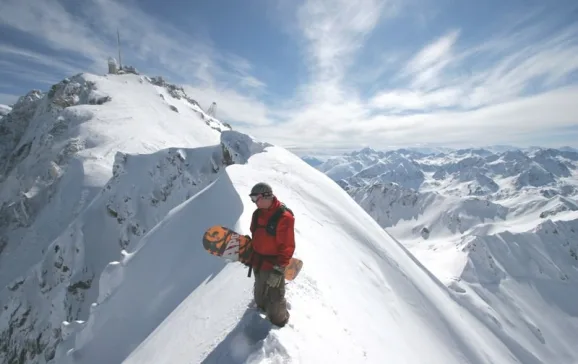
271,300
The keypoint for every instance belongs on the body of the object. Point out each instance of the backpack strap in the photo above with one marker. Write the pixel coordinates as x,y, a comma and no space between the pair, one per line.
271,226
254,221
274,220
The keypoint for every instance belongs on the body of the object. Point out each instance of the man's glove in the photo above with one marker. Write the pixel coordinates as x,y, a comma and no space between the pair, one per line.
277,277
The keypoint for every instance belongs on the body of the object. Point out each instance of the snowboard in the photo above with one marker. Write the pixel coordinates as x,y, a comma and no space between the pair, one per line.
224,242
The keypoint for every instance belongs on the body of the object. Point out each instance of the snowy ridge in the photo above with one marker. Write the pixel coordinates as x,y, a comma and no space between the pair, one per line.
108,183
65,209
499,229
173,227
550,253
197,307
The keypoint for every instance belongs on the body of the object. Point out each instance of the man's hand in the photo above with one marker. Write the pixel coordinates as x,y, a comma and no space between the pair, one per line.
277,277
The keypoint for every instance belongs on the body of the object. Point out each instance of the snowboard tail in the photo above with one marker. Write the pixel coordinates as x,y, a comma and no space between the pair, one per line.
224,242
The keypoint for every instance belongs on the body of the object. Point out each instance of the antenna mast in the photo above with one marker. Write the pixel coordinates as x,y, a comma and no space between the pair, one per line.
118,43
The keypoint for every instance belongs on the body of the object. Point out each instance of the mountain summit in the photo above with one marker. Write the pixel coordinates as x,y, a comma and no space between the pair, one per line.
107,185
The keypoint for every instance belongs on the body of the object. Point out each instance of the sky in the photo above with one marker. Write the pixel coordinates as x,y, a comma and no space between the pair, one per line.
323,75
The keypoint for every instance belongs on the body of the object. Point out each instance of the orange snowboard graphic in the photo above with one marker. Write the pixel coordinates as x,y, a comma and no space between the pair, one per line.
226,243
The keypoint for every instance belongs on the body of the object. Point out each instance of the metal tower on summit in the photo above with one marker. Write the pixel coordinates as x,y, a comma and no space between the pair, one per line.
212,110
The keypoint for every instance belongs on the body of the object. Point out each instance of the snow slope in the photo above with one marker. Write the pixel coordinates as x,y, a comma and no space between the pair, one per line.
168,301
107,184
500,230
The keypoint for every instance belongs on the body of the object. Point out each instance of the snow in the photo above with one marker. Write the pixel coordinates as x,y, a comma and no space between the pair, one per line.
108,183
66,211
192,307
499,230
4,110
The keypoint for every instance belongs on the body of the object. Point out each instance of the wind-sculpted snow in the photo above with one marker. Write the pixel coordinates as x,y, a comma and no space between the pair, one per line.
192,307
179,234
89,167
239,147
162,270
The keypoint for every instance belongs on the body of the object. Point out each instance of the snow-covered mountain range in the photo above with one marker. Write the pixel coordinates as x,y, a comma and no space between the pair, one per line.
107,184
456,192
501,226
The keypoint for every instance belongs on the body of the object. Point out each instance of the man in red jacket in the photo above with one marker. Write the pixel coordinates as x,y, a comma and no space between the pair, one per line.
273,241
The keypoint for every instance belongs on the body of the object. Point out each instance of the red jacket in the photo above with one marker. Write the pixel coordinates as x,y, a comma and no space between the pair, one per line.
278,249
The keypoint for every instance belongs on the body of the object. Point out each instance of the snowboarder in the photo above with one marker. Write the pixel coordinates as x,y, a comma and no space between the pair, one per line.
273,242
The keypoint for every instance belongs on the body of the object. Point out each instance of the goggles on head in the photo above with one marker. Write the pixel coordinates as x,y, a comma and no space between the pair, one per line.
257,196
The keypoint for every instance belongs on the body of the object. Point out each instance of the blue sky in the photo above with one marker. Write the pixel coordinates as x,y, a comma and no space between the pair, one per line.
318,74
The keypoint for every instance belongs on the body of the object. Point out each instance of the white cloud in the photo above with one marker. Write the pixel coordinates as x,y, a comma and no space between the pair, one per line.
537,66
232,106
50,21
427,65
506,90
509,122
404,99
525,120
515,67
334,30
38,58
22,72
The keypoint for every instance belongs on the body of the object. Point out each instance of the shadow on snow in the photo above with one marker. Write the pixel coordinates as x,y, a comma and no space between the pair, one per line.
244,343
169,266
